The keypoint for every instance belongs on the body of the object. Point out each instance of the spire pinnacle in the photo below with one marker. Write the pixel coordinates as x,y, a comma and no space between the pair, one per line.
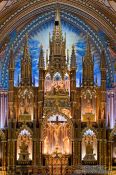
73,58
41,58
67,57
88,50
57,33
26,55
47,57
26,69
88,66
57,15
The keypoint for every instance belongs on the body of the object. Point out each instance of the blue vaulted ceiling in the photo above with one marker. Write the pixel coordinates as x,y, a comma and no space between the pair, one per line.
38,30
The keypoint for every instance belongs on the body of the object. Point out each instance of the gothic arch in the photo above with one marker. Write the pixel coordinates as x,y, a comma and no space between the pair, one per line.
53,113
26,128
91,128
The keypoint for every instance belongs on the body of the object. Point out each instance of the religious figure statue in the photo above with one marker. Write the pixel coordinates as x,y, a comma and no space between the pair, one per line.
89,148
46,145
56,133
90,156
24,153
66,145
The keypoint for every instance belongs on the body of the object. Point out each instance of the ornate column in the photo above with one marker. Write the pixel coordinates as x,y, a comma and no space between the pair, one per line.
100,151
111,109
34,147
75,152
4,155
9,146
104,153
110,155
79,150
38,150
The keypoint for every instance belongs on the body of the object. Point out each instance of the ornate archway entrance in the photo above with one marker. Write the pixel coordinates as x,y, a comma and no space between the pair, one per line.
57,143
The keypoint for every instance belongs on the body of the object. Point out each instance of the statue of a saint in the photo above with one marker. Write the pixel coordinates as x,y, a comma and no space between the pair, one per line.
90,156
56,133
46,145
89,148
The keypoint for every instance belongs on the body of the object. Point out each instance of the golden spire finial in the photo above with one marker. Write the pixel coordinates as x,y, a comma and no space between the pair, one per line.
57,15
57,33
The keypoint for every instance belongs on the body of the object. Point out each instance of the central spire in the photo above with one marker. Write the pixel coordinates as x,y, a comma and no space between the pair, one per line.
88,66
57,33
57,57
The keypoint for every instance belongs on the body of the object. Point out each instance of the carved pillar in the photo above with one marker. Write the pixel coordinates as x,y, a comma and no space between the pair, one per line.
75,153
104,152
100,151
4,155
110,155
38,151
9,145
34,156
13,156
112,110
79,150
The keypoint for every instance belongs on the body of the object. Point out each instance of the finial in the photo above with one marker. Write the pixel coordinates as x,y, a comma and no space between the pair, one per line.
57,15
47,57
73,47
73,58
67,56
26,40
41,58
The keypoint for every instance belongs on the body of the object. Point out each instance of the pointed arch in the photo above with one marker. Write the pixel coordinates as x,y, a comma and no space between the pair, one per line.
91,128
59,113
26,128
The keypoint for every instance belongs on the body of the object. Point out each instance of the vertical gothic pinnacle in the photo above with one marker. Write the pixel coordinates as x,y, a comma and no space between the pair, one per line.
41,58
47,57
88,56
57,33
73,58
26,66
67,57
26,55
88,67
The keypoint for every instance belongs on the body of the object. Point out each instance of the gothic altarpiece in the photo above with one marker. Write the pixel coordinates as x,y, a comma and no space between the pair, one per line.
56,126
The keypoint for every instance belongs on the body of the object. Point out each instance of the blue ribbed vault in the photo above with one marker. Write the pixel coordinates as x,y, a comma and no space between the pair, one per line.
16,39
